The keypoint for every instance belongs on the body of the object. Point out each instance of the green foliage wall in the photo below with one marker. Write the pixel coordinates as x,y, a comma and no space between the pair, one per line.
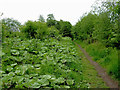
39,30
84,28
65,28
100,25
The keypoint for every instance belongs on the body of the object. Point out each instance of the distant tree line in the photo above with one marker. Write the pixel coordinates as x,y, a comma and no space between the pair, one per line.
40,29
100,24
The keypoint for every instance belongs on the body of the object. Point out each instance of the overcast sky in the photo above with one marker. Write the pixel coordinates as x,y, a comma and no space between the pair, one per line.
67,10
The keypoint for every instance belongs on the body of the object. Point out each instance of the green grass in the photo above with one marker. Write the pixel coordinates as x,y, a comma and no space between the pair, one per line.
90,75
106,57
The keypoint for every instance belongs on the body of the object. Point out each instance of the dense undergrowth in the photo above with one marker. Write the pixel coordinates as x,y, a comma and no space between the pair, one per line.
41,64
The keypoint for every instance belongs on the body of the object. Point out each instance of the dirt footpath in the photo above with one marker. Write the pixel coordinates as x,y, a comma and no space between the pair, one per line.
107,79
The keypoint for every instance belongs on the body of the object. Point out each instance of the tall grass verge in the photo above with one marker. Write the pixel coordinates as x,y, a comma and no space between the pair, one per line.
107,57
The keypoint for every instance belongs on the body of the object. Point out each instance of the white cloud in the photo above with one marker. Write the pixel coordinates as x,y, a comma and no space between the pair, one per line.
23,10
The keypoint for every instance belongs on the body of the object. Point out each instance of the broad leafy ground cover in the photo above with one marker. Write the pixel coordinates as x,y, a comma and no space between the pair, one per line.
41,64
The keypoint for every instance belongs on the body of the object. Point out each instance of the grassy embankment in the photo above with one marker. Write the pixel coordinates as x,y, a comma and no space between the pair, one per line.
90,74
106,57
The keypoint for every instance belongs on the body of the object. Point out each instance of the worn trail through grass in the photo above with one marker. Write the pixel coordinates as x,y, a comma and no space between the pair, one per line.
94,73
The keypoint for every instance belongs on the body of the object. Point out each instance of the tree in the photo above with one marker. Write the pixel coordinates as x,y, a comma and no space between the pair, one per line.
102,28
50,17
42,30
51,20
29,29
84,28
39,30
101,24
41,18
65,28
57,25
112,10
11,24
75,31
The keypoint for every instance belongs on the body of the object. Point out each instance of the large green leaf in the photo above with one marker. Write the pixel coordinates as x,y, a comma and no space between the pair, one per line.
43,82
19,86
20,70
13,64
45,76
60,80
9,68
70,82
15,52
18,79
